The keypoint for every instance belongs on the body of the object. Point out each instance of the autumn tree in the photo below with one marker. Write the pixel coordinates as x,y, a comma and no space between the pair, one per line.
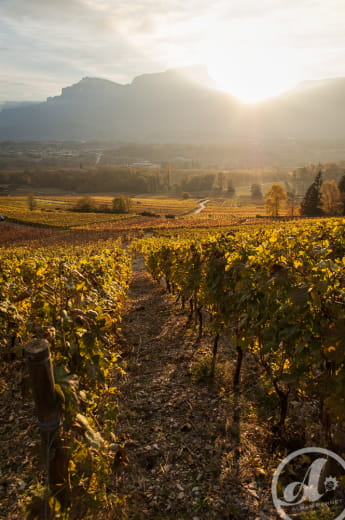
85,204
219,183
255,192
292,202
311,204
230,192
121,204
275,197
166,176
331,198
341,187
31,202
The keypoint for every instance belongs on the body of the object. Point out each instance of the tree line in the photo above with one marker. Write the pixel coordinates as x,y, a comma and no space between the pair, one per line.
322,198
124,179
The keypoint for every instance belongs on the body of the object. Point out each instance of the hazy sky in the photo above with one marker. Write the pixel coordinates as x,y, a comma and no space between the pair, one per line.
253,48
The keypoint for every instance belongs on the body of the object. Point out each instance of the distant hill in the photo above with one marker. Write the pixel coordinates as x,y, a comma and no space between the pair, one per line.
313,110
177,106
15,104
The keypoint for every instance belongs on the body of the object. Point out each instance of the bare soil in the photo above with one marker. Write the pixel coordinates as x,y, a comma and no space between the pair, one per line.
186,456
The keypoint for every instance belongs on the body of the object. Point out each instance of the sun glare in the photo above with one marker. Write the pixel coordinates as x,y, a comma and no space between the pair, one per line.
251,75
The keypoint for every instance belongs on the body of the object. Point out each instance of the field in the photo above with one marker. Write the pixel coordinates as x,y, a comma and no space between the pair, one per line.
54,214
145,213
191,354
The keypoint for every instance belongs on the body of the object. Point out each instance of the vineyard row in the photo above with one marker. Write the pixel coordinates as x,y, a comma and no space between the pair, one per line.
277,294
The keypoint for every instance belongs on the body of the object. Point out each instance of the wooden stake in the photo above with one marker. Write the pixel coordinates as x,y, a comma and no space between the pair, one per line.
49,417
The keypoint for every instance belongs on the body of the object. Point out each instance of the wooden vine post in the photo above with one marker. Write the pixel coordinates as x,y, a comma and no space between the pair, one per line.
40,368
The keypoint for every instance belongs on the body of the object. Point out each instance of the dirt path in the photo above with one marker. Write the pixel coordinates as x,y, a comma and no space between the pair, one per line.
202,205
176,431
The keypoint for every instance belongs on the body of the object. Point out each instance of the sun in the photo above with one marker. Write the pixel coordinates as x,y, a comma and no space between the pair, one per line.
251,75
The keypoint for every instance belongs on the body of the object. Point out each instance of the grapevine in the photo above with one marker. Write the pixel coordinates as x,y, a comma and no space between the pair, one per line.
279,295
74,298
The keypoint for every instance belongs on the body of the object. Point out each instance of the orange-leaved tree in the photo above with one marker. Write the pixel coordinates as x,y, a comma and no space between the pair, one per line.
274,200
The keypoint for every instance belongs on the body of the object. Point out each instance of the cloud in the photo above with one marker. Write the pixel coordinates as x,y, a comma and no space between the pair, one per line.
120,39
279,23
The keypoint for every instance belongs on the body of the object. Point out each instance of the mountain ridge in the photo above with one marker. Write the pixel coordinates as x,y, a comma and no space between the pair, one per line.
178,105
